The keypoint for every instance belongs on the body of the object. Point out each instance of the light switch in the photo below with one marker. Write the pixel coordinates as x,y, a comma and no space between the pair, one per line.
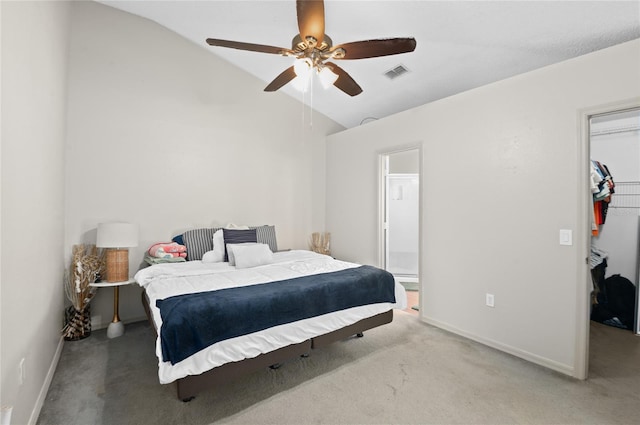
566,237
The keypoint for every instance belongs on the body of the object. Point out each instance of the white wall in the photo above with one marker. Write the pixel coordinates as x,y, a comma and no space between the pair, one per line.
34,60
500,178
164,134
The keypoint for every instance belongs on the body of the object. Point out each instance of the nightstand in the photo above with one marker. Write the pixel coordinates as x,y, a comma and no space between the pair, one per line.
116,327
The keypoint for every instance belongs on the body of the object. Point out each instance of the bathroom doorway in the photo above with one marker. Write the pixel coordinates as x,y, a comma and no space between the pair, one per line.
401,220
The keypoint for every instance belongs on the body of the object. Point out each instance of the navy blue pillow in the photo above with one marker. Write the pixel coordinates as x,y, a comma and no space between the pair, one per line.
237,236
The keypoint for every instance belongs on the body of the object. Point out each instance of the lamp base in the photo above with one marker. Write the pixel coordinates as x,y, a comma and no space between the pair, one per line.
117,265
115,329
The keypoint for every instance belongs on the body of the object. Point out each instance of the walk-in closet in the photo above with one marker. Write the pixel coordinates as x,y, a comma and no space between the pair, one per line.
615,239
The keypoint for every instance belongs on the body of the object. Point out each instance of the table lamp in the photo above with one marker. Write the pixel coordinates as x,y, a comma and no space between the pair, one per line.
117,238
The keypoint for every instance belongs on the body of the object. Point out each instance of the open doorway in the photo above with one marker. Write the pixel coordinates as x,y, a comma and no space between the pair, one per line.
614,151
401,220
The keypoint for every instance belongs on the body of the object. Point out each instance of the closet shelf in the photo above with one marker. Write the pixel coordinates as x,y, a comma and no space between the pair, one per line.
627,195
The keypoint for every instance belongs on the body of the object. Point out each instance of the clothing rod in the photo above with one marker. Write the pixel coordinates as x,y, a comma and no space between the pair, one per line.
615,130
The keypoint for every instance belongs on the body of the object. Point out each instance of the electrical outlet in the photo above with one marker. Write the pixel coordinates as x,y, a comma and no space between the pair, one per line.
490,300
22,371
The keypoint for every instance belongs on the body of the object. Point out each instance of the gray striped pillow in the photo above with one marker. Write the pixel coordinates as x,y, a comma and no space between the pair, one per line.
267,234
198,241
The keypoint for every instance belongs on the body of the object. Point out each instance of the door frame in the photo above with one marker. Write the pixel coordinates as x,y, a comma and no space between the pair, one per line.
584,284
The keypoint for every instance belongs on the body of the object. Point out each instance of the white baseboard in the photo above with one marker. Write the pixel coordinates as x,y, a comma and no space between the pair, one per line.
47,383
406,278
531,357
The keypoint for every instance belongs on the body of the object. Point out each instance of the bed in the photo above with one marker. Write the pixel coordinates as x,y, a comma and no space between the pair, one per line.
212,327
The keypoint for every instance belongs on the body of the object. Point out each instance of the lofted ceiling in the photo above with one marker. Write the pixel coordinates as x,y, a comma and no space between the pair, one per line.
460,44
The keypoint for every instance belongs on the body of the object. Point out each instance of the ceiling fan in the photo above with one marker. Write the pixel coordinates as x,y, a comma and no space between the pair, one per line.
313,49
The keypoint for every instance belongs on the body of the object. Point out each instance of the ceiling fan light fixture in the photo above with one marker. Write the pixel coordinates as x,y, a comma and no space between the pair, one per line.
327,77
301,84
311,47
302,69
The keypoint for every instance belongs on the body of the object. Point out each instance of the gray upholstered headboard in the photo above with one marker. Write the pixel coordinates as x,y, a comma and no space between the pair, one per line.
199,241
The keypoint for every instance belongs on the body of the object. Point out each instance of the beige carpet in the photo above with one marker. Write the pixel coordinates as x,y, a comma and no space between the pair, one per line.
405,372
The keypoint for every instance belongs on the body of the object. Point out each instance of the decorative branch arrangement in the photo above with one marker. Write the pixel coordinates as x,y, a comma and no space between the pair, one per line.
87,265
320,243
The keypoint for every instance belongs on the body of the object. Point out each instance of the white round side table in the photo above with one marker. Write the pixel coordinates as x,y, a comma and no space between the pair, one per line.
116,327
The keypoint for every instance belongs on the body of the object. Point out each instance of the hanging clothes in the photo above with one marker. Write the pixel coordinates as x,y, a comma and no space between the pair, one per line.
602,187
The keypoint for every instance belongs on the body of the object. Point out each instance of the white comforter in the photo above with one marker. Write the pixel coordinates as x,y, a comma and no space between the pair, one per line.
164,280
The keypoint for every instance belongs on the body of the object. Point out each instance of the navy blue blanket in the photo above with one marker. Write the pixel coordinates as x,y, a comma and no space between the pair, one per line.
192,322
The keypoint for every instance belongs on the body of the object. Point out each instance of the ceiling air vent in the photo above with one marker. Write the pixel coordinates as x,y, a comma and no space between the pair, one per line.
396,72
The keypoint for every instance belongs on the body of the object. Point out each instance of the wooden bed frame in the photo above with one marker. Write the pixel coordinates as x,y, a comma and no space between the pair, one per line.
191,385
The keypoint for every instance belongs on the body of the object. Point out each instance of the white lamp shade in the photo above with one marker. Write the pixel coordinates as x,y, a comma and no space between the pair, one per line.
302,68
327,77
117,235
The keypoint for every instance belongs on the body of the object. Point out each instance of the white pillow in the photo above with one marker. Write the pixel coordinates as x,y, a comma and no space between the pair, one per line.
231,253
218,244
245,255
216,255
209,257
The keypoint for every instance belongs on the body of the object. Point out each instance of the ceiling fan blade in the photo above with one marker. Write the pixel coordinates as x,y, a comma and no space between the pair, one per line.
344,81
282,79
249,46
311,19
375,48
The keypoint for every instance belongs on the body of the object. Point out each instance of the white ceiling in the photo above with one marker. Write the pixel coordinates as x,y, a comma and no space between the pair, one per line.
460,44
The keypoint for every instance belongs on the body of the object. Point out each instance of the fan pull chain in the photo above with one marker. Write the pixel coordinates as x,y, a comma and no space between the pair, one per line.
304,95
302,124
311,104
